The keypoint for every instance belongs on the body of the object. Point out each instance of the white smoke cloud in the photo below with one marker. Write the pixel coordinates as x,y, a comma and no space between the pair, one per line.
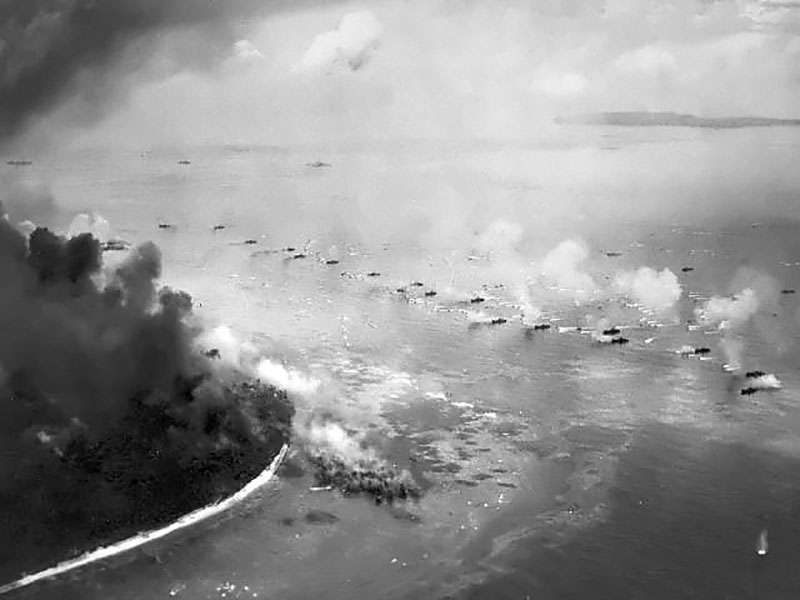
500,238
654,290
90,222
563,267
288,379
729,313
329,437
767,381
320,412
350,45
232,351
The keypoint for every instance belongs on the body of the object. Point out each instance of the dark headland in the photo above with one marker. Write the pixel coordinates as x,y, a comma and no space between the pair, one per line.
671,119
112,419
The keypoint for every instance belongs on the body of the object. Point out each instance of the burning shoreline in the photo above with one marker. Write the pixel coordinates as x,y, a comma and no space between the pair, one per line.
112,421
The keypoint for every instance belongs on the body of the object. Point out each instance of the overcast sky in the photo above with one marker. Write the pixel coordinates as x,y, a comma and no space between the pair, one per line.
447,69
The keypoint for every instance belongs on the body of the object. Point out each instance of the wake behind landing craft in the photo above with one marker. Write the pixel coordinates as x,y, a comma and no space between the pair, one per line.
762,545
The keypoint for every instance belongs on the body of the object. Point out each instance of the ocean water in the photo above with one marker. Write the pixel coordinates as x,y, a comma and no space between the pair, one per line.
554,467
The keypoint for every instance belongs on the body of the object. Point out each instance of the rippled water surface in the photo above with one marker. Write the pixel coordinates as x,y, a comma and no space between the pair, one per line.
554,467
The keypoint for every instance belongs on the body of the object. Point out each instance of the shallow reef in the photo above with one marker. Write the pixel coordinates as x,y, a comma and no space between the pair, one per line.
380,483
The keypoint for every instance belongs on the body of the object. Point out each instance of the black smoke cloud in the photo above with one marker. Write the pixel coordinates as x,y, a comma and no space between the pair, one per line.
88,348
111,419
48,46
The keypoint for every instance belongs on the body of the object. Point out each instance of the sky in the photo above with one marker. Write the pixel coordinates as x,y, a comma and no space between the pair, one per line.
398,70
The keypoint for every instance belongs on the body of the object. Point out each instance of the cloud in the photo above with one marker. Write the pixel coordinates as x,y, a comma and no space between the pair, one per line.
461,70
350,45
648,60
553,83
246,50
54,52
773,15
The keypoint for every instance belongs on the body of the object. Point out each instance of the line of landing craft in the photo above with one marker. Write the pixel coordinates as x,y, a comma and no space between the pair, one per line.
755,381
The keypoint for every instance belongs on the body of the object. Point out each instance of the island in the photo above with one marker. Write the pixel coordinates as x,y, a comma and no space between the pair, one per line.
114,420
672,119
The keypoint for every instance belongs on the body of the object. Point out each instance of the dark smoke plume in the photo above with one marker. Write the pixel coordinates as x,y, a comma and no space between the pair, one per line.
111,419
89,347
48,45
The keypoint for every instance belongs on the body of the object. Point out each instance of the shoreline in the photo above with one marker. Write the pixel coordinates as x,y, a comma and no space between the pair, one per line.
193,518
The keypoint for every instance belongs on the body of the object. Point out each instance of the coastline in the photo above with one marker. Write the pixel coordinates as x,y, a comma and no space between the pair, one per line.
193,518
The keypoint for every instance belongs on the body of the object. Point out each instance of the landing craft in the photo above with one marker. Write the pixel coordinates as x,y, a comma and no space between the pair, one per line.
762,545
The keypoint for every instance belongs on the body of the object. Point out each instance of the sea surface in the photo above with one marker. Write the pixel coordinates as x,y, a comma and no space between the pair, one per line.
555,467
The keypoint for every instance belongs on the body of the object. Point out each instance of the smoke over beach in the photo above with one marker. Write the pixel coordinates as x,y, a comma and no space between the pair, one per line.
102,382
383,233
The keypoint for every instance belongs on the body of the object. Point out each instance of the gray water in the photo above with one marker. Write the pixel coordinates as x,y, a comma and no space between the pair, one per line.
557,468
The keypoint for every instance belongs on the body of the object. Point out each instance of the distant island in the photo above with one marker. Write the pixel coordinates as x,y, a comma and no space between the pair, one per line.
671,119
